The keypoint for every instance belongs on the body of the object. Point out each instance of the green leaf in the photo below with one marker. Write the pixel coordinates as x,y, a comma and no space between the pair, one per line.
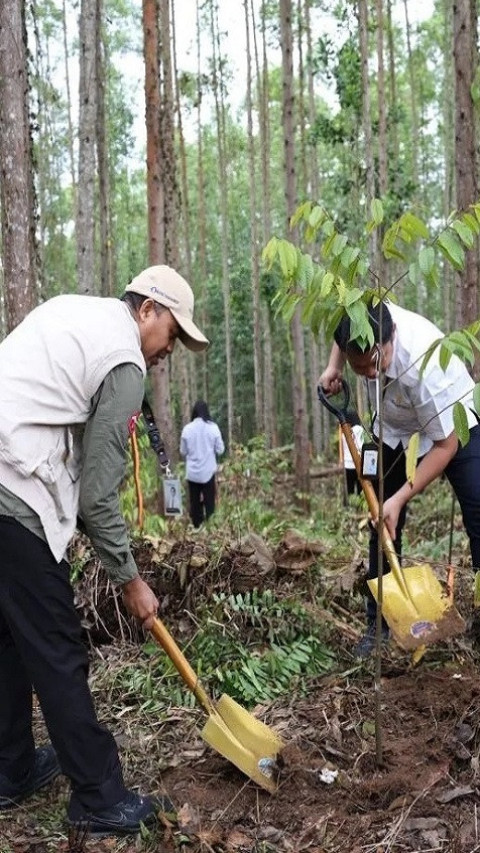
287,256
451,249
376,210
471,222
326,285
414,226
464,232
476,398
460,422
302,212
317,217
339,243
426,260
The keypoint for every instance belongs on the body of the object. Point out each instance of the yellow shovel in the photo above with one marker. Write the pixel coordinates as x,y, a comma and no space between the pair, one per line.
230,729
414,605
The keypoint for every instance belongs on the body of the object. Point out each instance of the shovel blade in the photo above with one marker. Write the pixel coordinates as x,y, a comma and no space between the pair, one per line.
417,611
245,741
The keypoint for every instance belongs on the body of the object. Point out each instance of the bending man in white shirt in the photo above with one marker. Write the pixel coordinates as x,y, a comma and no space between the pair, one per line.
413,401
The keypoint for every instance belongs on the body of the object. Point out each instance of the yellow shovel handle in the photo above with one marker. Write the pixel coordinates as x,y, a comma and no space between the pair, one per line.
180,663
372,502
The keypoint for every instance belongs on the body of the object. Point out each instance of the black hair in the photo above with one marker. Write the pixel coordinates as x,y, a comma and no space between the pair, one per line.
135,300
343,331
200,410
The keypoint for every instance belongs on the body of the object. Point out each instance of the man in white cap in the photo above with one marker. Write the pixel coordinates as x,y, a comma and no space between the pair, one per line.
72,387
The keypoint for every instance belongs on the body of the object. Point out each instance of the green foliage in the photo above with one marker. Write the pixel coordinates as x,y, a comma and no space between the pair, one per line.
338,284
285,647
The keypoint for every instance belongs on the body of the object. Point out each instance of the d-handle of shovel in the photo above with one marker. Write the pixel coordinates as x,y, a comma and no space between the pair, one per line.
181,664
341,411
368,490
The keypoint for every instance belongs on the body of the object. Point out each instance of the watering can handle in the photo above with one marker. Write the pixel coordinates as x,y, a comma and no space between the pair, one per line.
368,490
180,663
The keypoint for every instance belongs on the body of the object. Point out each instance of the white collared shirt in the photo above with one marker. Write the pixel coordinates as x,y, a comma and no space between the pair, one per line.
420,403
201,442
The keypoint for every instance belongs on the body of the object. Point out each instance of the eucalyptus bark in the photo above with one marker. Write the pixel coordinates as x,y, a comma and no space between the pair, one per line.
269,410
300,414
466,60
320,417
105,223
254,259
201,216
16,172
362,8
85,220
160,374
219,93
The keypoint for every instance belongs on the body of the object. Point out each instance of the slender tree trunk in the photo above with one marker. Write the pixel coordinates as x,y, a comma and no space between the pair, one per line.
188,372
106,254
448,109
255,268
71,136
367,120
382,133
319,413
16,182
179,361
87,120
466,60
202,232
219,90
269,410
155,199
302,450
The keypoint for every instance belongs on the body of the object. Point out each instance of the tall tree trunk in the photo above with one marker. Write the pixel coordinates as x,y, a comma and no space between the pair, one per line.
302,450
219,92
448,109
269,411
202,229
71,135
255,267
179,363
106,254
367,121
85,223
16,173
382,133
320,418
466,60
188,372
155,199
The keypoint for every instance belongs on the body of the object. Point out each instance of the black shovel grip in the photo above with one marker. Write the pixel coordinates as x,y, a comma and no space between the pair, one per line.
341,411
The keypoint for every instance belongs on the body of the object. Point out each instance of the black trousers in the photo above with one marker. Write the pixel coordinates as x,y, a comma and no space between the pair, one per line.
41,647
202,500
463,473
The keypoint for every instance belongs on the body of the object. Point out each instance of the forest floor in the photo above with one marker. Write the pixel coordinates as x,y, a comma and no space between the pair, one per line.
421,795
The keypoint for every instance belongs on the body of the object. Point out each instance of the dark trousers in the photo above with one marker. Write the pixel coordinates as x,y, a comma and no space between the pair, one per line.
352,481
463,473
202,500
41,646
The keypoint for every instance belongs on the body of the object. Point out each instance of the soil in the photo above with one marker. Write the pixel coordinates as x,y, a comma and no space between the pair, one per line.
341,787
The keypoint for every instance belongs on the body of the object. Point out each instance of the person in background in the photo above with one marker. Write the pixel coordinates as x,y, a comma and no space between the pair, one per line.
72,387
200,443
415,399
351,478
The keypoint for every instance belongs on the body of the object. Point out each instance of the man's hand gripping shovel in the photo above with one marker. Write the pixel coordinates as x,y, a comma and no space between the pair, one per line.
414,605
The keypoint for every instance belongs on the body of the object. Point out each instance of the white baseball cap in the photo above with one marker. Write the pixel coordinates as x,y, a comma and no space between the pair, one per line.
167,287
